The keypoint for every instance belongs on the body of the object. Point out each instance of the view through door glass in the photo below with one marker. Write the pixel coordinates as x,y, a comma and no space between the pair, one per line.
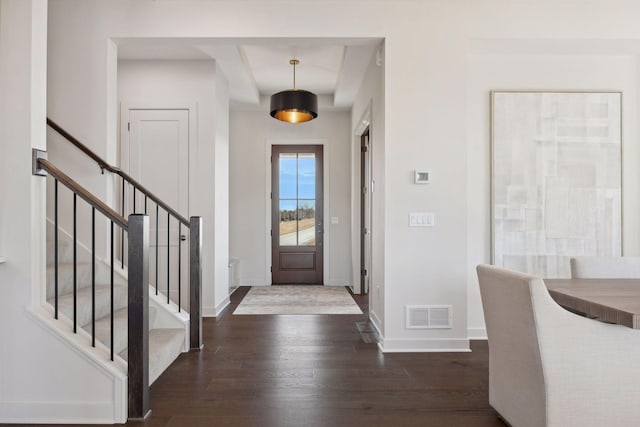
297,201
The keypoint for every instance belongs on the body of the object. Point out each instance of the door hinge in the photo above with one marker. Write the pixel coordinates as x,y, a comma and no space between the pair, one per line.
365,230
128,126
364,190
363,272
363,148
271,268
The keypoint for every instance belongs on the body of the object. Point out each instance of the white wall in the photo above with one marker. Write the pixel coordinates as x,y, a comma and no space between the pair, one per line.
201,87
221,195
369,104
252,133
487,71
42,379
425,104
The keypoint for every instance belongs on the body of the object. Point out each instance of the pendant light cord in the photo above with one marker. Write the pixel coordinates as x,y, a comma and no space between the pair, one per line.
294,62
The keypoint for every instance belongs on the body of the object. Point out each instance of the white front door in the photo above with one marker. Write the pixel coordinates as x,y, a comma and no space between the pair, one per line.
156,154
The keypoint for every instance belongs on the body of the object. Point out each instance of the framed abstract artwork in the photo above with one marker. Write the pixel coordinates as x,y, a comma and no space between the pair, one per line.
556,179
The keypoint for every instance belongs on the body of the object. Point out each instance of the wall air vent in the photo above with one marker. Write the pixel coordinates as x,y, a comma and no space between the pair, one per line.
428,316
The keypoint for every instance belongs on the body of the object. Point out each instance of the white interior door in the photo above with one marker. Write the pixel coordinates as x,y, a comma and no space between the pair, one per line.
157,156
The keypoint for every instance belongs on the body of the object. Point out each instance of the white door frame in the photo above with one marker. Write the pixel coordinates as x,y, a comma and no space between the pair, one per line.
326,162
356,226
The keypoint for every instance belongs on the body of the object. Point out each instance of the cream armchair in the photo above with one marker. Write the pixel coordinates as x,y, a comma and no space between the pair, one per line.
591,267
549,367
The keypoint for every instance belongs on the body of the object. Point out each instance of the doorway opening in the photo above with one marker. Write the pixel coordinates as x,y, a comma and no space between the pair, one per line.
365,212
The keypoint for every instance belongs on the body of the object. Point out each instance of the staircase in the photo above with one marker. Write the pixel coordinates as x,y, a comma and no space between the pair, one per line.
116,309
165,344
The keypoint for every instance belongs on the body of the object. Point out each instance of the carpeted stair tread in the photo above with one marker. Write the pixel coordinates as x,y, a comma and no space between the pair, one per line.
165,345
103,304
120,320
65,278
65,251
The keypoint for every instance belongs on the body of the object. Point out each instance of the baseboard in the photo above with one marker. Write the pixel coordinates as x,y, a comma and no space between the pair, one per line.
253,283
440,345
211,311
221,307
477,333
57,413
375,321
338,283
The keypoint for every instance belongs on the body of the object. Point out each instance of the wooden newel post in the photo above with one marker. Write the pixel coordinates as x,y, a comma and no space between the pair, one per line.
138,316
195,283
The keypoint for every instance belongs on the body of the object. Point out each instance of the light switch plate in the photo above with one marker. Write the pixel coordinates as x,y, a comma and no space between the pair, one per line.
422,219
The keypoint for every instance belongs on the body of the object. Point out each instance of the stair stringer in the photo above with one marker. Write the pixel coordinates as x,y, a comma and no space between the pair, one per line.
98,361
168,316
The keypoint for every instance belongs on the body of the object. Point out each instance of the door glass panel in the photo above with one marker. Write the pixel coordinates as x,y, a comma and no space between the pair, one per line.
288,175
306,176
288,223
306,222
297,193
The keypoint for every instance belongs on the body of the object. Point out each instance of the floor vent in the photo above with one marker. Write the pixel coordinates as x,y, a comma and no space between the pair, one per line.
428,316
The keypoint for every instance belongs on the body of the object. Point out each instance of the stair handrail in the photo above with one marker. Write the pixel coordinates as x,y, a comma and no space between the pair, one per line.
83,193
104,165
194,225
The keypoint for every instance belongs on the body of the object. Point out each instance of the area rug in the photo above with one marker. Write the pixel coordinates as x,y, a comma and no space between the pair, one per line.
298,299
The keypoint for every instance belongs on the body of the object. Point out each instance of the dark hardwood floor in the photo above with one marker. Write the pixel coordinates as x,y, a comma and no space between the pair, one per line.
316,371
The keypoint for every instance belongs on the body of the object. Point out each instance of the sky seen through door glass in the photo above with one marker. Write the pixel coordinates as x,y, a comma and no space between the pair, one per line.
297,188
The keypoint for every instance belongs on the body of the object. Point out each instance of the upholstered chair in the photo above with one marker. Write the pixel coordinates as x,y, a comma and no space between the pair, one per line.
549,367
587,267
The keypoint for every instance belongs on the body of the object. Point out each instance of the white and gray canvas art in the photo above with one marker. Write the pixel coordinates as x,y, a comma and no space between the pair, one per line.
556,177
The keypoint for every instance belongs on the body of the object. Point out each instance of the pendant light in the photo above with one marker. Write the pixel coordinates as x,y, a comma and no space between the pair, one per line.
294,105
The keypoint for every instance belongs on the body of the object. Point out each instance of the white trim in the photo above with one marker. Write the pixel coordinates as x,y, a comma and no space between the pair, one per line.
408,345
57,413
221,307
360,127
477,333
326,192
375,321
254,282
208,311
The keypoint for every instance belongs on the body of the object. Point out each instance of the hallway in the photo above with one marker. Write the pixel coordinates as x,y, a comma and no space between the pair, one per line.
316,371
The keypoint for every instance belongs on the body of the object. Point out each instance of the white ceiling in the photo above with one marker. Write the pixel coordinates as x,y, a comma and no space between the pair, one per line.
258,68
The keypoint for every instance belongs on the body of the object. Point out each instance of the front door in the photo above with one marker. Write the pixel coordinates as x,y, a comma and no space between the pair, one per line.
296,212
157,156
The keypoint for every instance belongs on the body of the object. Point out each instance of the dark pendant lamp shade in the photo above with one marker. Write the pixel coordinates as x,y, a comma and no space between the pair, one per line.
294,105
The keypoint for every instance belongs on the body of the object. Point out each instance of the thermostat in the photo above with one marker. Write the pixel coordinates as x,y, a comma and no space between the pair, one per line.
421,177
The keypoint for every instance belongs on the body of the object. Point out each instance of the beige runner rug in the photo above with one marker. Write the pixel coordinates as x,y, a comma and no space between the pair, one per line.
298,299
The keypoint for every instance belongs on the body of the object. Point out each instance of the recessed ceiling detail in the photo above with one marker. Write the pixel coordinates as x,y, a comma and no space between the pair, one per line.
258,68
